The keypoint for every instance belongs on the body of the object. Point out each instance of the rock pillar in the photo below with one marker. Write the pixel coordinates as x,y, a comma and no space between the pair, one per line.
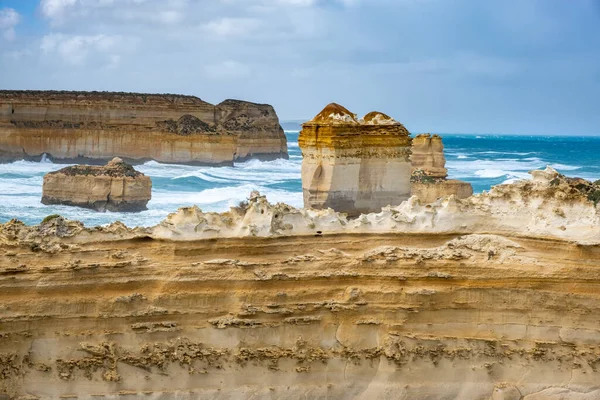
354,165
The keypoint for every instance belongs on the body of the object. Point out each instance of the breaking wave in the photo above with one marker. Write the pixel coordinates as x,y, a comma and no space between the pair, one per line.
484,163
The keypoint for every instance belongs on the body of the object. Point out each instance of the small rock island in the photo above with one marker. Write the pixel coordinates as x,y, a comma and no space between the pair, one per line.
115,187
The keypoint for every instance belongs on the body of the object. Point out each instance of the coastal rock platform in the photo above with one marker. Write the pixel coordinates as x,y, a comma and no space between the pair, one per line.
491,297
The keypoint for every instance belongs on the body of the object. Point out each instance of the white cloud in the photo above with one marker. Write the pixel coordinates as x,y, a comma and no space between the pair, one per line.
61,11
76,49
225,27
227,70
56,9
9,19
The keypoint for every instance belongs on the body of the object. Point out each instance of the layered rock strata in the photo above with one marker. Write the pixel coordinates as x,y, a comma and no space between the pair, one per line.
430,309
354,166
93,127
114,187
428,180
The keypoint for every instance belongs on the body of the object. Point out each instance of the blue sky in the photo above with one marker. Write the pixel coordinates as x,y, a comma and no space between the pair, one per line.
470,66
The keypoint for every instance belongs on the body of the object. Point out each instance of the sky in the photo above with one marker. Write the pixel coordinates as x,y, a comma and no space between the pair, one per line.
464,66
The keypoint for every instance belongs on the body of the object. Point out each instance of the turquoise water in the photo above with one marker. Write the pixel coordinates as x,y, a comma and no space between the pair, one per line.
484,161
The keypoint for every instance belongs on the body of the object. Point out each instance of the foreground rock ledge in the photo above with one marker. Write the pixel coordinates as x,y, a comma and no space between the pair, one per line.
114,187
494,296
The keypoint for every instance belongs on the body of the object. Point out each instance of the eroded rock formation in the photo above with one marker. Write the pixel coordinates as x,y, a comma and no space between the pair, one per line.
428,156
428,180
114,187
426,306
93,127
354,166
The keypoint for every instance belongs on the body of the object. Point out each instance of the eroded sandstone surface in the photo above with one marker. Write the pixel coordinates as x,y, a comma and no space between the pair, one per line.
491,297
429,173
88,127
354,165
117,186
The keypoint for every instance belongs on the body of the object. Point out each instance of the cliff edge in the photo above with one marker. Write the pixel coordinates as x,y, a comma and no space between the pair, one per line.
94,127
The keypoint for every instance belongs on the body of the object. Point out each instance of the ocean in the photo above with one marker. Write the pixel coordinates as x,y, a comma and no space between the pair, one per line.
483,160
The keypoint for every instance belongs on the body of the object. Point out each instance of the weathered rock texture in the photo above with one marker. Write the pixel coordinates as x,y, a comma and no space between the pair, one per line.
428,155
354,166
428,181
97,126
114,187
434,308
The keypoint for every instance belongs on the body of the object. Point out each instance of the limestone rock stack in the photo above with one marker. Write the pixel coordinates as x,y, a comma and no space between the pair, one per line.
114,187
428,181
94,127
428,155
354,166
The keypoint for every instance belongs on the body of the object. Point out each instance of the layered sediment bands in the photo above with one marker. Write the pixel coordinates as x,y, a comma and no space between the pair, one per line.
336,316
495,296
354,166
97,126
114,187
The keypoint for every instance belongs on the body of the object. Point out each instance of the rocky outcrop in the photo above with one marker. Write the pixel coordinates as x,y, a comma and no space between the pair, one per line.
93,127
354,166
428,156
114,187
425,306
549,206
428,180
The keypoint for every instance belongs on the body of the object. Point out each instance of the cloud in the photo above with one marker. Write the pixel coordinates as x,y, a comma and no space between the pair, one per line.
9,19
227,27
435,64
228,70
77,49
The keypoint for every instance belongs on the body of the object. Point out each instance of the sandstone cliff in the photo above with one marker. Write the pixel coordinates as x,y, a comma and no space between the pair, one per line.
425,306
428,180
97,126
354,166
114,187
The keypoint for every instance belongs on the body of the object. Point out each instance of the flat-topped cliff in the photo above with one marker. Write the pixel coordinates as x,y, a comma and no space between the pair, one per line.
490,297
116,186
354,165
97,126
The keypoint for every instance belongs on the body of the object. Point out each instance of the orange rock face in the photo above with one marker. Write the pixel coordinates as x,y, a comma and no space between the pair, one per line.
351,165
94,127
